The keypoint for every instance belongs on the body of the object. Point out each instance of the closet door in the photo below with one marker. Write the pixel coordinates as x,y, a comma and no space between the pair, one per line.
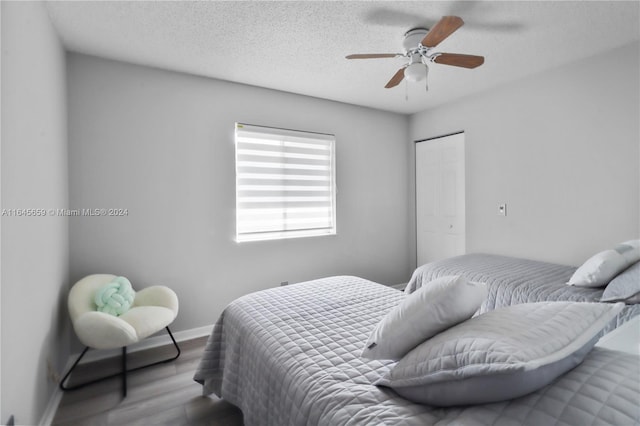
440,198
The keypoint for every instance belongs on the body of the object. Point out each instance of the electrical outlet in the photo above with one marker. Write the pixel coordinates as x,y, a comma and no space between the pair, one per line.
502,209
283,283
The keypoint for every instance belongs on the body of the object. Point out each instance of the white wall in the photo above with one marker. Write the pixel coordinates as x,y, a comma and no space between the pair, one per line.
34,175
561,149
160,144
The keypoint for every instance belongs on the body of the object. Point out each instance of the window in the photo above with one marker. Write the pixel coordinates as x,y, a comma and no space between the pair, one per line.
285,183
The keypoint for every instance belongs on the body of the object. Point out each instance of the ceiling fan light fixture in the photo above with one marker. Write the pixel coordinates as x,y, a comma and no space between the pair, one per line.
416,72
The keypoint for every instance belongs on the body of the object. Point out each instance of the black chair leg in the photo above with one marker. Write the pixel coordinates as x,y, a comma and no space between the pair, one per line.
174,344
124,371
62,386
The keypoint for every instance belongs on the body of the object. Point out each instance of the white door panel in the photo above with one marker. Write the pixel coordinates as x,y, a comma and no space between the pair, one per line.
449,193
450,153
451,243
440,198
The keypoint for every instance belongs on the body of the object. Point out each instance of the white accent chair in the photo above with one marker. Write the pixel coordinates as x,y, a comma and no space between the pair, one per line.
153,309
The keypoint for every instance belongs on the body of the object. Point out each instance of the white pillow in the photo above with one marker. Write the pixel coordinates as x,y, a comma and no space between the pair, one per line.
500,355
434,307
630,250
599,269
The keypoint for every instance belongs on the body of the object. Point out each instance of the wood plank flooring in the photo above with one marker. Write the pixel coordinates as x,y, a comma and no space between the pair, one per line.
164,394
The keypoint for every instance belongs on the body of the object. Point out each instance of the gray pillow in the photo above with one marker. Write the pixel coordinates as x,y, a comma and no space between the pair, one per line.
625,287
500,355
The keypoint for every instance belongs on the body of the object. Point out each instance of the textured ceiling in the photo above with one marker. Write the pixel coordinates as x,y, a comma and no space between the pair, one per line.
299,46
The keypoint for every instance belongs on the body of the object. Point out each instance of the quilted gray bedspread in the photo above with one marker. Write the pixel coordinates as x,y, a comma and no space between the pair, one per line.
511,281
290,356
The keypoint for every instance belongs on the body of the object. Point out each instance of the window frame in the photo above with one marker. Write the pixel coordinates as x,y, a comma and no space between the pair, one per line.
288,138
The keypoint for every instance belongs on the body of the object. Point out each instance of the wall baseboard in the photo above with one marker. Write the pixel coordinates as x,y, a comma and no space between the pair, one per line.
152,342
52,407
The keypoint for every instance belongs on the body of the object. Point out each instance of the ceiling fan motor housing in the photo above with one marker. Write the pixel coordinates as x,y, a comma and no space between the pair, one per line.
412,38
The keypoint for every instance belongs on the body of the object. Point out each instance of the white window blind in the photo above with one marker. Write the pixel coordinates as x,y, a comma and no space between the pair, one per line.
285,183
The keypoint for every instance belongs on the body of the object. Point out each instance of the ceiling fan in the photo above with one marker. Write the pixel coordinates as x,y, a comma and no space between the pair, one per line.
419,44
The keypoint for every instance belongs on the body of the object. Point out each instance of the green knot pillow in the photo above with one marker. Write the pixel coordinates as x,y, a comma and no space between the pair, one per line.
115,297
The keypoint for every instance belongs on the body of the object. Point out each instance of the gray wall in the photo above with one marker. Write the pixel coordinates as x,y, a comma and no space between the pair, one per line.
561,149
35,258
160,144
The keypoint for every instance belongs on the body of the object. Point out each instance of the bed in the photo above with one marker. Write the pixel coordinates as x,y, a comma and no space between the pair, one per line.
291,356
512,280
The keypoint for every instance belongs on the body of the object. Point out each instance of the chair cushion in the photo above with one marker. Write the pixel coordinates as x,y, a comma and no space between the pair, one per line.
147,320
103,331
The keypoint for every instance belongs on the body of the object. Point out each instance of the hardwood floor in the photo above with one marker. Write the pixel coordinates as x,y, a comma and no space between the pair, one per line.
164,394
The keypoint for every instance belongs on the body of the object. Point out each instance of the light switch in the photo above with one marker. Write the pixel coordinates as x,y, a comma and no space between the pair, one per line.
502,209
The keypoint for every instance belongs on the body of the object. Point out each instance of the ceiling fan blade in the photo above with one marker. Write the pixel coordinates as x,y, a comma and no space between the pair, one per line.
396,79
373,55
459,60
443,29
